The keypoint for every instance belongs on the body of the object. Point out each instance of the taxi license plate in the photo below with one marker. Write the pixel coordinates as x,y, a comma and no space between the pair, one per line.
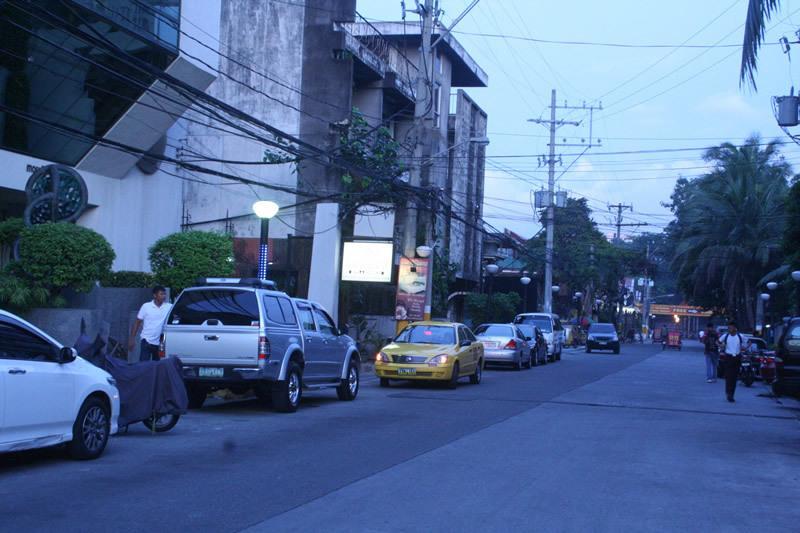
406,371
204,372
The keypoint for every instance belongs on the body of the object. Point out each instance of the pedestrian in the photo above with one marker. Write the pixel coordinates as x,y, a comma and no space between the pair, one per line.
732,345
710,341
150,319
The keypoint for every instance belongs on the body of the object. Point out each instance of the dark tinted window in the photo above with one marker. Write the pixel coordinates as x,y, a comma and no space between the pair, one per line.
470,335
602,328
542,322
494,331
279,310
19,343
306,318
326,326
230,307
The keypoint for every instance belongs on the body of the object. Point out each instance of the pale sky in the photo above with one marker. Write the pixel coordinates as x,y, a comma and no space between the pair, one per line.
654,98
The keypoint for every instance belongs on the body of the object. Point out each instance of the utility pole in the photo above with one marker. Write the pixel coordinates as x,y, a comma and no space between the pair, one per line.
619,224
553,124
646,306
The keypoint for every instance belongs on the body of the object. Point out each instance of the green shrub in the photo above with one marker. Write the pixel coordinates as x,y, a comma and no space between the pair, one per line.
179,259
60,255
129,278
10,229
501,307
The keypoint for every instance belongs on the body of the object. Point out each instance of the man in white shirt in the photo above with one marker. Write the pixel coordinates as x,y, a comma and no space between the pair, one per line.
731,346
151,318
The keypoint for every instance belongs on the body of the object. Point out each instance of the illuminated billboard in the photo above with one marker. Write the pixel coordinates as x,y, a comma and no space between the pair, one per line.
369,261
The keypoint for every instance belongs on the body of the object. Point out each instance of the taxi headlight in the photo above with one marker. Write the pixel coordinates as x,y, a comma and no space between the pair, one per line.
438,360
381,357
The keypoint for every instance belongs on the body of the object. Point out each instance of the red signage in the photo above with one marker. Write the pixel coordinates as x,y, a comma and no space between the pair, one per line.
412,281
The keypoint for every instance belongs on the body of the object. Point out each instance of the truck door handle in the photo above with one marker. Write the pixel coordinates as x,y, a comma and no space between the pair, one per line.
211,337
17,371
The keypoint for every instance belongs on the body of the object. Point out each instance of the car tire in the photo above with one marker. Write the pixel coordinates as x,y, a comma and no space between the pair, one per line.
161,424
475,378
534,359
384,382
529,364
286,393
616,350
452,383
558,355
197,396
518,365
588,350
91,430
348,388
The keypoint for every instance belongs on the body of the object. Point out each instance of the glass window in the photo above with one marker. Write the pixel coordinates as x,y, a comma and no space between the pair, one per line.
428,335
543,323
21,344
306,318
326,326
527,330
50,75
602,328
279,310
470,335
231,307
493,330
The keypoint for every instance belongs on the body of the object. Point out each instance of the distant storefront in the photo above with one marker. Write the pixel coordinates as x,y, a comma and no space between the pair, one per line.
688,319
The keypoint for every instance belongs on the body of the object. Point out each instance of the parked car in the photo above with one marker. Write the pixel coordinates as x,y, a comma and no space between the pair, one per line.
49,395
602,337
788,360
551,327
505,344
440,351
538,343
244,334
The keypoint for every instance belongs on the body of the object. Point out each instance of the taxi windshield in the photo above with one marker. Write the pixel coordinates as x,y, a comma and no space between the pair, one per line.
427,335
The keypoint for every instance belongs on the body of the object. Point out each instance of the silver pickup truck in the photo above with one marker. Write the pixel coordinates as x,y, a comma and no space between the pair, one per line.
244,334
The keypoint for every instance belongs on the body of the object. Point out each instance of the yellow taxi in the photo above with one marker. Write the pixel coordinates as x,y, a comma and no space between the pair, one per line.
440,351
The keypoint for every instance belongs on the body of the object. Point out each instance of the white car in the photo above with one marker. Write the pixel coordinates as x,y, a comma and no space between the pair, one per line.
551,328
49,395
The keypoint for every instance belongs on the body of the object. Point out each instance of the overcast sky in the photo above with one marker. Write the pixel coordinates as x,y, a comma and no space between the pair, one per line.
654,98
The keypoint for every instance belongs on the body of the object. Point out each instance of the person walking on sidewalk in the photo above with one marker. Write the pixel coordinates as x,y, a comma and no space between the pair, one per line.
732,344
711,340
151,318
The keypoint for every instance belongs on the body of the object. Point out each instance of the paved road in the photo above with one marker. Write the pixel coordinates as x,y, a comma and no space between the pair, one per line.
593,443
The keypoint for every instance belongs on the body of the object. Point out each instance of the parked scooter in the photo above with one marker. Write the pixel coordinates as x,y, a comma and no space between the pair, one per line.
747,370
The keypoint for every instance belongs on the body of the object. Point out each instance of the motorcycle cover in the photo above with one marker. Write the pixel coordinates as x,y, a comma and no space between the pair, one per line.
148,387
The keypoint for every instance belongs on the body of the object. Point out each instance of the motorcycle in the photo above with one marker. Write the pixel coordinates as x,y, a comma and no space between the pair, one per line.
747,371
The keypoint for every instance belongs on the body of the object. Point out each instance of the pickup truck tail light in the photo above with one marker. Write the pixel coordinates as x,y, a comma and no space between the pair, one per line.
512,345
162,346
263,351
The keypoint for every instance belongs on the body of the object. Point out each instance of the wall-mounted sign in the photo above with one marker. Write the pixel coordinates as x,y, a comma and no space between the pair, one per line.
369,261
679,310
412,281
56,193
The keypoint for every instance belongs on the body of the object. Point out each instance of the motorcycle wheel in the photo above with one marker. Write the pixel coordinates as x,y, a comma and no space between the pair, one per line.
748,380
162,423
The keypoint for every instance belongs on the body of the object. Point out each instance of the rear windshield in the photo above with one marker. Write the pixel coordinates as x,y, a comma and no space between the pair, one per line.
230,307
494,331
527,329
542,322
602,328
427,335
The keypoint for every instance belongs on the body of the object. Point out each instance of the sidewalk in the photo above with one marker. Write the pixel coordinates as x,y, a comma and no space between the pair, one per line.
650,448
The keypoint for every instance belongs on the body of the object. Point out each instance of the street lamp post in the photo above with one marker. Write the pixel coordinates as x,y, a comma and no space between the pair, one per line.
525,280
796,277
765,298
265,210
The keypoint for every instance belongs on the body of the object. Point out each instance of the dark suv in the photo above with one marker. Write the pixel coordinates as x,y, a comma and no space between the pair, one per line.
788,349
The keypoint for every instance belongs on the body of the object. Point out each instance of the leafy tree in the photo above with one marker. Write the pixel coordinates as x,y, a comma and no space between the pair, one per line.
499,307
444,274
729,226
758,13
177,260
10,230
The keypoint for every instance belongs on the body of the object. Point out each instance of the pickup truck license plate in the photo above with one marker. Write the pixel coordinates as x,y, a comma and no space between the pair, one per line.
406,371
205,372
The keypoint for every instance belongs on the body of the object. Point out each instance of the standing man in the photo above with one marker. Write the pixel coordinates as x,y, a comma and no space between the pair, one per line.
732,345
151,318
711,340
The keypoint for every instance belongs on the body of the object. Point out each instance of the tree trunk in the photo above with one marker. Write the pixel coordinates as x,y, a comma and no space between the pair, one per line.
749,307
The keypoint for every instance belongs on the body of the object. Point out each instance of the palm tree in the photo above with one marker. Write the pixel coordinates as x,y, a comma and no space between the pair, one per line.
758,13
731,225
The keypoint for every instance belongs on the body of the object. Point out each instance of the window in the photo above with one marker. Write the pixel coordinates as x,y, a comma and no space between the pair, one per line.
326,326
494,331
527,330
306,318
558,326
520,334
470,336
51,75
602,328
229,306
428,335
542,322
21,344
279,310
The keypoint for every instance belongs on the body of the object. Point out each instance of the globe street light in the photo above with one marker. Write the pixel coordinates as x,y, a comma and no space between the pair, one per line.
525,280
772,285
492,269
265,210
764,296
796,275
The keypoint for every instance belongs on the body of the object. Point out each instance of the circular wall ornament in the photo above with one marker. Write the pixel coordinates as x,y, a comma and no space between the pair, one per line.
56,193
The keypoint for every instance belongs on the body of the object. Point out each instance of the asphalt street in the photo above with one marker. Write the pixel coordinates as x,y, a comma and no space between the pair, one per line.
595,442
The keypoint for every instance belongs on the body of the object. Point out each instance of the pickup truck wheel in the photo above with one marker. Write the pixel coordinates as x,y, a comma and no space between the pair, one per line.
197,396
91,430
286,393
348,388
